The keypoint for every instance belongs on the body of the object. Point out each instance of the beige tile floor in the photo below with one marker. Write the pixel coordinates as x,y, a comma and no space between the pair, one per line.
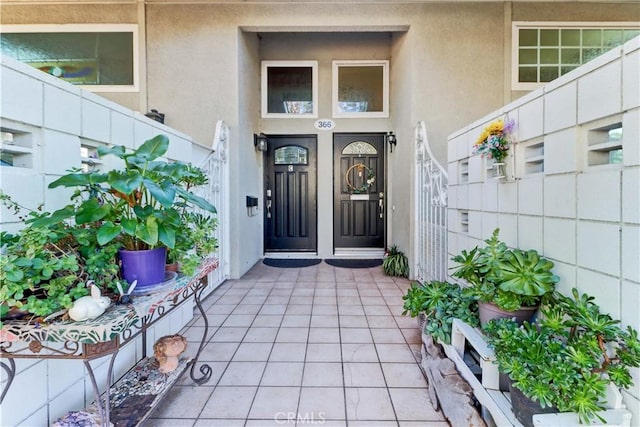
314,346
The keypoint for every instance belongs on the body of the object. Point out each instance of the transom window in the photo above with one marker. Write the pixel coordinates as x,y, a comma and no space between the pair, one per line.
361,88
359,148
289,88
97,57
543,52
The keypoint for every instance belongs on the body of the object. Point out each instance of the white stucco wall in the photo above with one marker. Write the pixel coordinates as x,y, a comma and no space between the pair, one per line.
54,119
586,219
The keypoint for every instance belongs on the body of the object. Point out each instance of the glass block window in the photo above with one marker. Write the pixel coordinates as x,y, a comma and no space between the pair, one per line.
289,88
543,53
361,88
88,55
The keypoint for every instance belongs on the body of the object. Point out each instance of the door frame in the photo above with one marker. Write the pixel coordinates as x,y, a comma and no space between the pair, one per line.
363,251
312,162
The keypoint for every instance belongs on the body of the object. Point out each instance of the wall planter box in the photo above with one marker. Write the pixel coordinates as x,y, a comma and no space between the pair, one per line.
497,404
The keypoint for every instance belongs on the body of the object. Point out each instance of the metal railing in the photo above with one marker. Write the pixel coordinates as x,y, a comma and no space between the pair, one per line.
431,185
216,167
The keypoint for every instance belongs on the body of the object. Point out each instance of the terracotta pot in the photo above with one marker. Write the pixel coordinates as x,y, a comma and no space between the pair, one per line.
172,267
489,311
524,408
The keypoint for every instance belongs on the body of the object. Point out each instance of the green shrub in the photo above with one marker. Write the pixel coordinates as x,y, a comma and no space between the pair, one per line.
396,263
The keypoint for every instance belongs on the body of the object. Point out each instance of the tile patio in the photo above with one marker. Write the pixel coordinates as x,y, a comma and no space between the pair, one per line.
320,345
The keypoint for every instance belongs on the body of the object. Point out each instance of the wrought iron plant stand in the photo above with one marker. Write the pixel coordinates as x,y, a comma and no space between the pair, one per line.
105,336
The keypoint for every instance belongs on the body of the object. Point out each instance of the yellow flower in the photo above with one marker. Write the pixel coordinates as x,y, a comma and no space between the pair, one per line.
495,127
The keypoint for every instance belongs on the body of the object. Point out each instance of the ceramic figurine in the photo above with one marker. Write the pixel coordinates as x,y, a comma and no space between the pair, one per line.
89,307
167,349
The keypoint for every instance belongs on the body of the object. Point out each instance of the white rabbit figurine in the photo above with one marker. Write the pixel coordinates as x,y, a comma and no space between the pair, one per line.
89,307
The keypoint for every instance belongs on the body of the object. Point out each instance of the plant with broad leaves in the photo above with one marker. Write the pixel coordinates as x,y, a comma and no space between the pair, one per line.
138,205
510,278
44,268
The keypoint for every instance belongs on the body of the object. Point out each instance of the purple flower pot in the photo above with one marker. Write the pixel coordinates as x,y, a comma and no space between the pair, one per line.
147,267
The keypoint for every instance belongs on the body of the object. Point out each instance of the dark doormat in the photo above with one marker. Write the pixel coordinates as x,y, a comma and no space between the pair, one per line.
353,263
290,262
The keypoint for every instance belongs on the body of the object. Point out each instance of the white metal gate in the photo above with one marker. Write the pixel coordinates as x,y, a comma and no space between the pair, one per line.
216,167
431,212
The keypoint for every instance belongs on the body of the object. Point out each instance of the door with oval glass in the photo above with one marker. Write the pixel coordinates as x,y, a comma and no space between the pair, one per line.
290,211
358,206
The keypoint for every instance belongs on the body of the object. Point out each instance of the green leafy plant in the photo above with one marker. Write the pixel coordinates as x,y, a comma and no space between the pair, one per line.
45,268
138,205
510,278
445,302
147,204
395,263
441,302
570,357
194,242
415,300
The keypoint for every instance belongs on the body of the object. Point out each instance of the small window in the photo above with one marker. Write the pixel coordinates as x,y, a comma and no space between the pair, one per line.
604,144
359,148
361,88
289,88
543,52
291,155
96,57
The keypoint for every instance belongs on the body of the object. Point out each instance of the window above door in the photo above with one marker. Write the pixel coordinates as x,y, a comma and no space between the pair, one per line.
289,89
361,89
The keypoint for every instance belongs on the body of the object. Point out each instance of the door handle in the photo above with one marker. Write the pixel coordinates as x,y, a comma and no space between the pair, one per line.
381,205
268,208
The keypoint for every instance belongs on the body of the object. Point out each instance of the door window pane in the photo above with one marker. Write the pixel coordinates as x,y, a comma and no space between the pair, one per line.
359,148
291,155
289,88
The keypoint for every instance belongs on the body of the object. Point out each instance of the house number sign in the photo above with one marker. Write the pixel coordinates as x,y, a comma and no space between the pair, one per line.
324,124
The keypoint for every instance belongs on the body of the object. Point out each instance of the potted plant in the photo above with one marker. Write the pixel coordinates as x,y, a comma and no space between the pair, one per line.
414,302
506,282
440,303
138,207
568,359
44,268
194,242
395,263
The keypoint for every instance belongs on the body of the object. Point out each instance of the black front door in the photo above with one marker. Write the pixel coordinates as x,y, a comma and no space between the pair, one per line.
358,190
290,194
